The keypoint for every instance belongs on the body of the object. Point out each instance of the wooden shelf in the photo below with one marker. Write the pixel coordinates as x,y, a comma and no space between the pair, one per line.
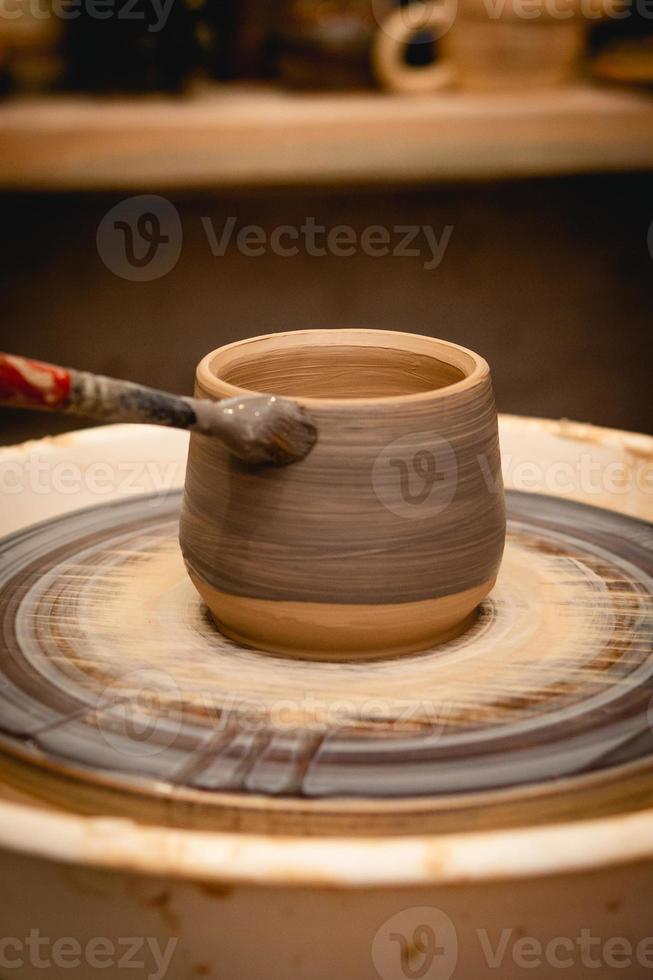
235,136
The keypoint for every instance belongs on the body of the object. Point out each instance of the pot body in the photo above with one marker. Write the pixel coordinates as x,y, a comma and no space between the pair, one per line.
511,54
322,45
388,536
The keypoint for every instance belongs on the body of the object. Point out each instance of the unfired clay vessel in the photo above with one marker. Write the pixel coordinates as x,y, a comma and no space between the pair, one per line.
390,533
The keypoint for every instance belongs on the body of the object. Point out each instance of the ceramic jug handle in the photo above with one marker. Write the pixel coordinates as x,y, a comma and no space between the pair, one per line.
395,33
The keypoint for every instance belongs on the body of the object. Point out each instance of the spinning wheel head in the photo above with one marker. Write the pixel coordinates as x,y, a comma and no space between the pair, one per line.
119,695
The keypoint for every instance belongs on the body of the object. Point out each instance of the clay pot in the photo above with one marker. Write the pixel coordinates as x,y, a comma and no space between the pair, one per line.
513,51
29,46
326,45
483,44
387,537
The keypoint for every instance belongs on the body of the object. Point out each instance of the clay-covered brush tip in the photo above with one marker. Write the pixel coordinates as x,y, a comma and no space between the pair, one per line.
289,434
264,429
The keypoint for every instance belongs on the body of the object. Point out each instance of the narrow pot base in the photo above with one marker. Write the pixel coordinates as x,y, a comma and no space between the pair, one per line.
331,631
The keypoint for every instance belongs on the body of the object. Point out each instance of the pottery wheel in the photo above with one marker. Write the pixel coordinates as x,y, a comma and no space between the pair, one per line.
119,696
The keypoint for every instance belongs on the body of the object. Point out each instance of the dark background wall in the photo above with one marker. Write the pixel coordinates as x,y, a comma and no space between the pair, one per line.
551,280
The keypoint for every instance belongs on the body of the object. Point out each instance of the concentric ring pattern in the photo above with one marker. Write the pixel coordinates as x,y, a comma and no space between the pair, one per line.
112,674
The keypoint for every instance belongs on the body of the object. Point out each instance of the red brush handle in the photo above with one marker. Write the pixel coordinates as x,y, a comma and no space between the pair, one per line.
33,384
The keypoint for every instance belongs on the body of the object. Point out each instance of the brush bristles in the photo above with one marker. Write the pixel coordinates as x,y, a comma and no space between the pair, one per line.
286,435
259,429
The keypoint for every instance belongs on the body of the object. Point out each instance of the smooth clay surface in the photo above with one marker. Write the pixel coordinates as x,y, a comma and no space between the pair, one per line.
388,535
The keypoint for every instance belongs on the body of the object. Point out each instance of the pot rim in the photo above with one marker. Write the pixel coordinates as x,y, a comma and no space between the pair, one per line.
474,367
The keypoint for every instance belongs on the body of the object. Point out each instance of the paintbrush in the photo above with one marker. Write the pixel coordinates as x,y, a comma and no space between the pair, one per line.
256,428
